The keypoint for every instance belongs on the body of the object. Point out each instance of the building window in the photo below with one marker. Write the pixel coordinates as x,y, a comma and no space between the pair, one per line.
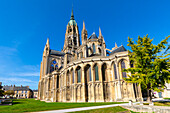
123,67
115,71
25,91
79,75
54,66
96,72
17,91
104,72
73,75
22,91
89,73
94,49
81,55
100,52
87,51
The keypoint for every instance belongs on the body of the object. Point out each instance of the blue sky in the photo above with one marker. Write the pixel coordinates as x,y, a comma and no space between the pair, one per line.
26,24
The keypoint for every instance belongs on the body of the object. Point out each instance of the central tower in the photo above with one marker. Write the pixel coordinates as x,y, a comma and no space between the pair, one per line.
72,40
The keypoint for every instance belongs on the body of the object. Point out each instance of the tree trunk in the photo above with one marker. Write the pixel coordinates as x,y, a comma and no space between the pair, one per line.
149,97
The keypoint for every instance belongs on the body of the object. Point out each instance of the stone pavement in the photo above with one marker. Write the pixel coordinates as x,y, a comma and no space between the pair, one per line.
81,109
148,109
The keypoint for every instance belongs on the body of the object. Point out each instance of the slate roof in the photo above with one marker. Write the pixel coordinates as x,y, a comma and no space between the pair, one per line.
119,49
58,53
6,88
93,36
21,88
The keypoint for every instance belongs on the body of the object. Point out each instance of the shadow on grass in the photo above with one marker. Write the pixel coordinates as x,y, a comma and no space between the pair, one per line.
17,103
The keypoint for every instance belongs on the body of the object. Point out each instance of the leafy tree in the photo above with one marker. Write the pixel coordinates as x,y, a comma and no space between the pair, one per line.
151,68
9,92
1,92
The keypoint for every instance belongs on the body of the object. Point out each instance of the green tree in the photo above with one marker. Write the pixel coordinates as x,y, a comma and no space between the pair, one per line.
9,92
151,68
1,92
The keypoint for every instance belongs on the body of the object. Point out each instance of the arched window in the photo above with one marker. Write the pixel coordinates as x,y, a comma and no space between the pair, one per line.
54,66
89,73
123,67
96,72
94,49
73,76
100,52
78,74
87,51
104,72
51,68
115,71
68,78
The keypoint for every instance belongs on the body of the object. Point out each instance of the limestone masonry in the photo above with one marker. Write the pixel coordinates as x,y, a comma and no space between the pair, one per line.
86,71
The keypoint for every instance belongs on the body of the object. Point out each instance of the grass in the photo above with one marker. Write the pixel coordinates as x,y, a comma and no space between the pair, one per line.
30,105
167,98
162,103
116,109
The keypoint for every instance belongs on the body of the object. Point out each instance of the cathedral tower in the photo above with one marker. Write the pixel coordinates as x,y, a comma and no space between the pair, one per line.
72,40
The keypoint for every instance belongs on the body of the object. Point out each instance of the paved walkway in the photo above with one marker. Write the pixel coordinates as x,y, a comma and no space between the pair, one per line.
81,109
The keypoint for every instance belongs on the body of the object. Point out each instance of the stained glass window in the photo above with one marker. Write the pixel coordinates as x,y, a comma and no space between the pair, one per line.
96,72
73,75
89,73
123,67
54,62
115,71
94,49
79,75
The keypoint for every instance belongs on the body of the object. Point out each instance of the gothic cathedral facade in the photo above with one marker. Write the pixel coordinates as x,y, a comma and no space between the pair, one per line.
86,71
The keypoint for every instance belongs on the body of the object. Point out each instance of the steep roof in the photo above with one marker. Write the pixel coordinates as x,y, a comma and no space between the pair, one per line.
93,36
58,53
119,49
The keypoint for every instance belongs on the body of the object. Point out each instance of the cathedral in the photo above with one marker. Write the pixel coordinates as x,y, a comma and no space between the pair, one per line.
85,71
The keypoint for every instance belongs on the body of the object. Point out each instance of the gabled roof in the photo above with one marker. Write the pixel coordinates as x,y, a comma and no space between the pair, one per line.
93,36
57,53
119,49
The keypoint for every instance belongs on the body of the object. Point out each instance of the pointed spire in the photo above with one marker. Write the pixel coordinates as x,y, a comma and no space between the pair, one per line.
84,25
72,15
100,33
115,44
48,43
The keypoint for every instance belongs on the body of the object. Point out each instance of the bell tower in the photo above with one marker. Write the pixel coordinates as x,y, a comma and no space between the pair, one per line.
72,40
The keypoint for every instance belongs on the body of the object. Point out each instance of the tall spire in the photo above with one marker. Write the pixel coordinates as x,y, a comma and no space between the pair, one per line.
115,44
72,15
100,33
48,43
84,25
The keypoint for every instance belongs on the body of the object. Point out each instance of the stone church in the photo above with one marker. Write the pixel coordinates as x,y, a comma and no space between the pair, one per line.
85,71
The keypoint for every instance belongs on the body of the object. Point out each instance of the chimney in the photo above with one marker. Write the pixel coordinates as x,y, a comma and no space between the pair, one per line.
14,85
21,85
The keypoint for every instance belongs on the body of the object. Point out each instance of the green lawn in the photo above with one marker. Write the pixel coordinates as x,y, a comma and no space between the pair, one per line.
116,109
162,103
29,105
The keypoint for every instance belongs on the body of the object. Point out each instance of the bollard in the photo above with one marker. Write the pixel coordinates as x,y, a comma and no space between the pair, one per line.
130,103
